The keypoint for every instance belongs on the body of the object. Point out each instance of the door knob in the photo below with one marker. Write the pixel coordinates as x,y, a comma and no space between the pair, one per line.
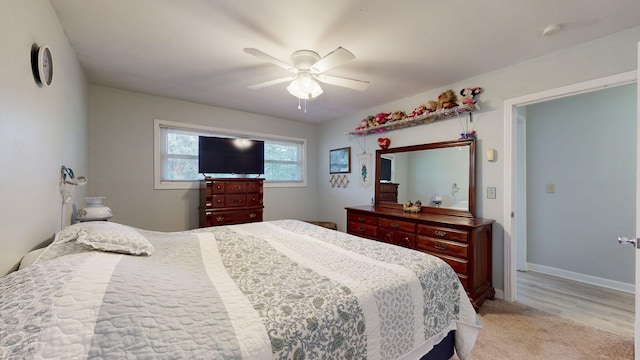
632,241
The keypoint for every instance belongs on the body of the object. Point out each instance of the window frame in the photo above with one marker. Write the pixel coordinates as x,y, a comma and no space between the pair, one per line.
159,184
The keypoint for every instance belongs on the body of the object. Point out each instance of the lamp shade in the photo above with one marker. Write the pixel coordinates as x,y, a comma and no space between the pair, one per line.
95,210
305,87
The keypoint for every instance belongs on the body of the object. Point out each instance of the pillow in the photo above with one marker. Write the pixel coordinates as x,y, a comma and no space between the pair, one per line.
30,258
107,236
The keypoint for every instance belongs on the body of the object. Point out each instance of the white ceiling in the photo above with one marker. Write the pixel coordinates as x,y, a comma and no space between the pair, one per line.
193,49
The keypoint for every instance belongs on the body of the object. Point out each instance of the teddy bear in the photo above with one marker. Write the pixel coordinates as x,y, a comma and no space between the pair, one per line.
447,100
412,207
431,106
363,125
468,96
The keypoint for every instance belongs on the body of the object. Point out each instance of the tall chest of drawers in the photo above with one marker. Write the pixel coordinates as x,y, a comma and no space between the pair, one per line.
226,201
464,243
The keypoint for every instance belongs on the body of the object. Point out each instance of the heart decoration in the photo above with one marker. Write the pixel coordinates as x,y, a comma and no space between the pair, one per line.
384,143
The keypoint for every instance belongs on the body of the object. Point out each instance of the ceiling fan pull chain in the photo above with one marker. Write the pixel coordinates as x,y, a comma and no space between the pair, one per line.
299,107
305,106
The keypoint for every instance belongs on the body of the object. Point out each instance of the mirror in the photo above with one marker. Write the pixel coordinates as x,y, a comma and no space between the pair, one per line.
441,175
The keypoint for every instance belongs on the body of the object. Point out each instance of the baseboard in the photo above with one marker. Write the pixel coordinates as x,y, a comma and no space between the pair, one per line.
499,294
593,280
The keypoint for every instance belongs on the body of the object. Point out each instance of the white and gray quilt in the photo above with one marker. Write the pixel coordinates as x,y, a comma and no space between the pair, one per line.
271,290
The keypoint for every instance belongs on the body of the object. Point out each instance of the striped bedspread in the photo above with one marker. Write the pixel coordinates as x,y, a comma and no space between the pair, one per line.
271,290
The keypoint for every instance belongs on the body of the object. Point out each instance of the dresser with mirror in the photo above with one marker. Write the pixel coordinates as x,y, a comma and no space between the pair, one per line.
442,176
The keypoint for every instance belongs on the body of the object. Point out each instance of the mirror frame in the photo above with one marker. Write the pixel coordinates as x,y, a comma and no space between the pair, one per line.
437,145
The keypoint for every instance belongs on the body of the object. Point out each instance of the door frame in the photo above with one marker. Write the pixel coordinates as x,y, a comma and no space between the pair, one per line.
512,220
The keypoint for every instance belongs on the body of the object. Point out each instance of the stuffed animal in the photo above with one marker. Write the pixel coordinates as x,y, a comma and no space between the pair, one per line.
432,106
421,109
468,96
371,121
447,100
381,118
412,207
396,116
362,125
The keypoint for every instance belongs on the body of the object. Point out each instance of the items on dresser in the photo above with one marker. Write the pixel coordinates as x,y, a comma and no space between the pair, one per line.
463,242
226,201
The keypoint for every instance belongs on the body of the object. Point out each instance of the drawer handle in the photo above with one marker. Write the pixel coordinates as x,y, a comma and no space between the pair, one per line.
440,246
219,218
237,201
361,219
361,229
395,226
219,201
388,236
252,215
441,233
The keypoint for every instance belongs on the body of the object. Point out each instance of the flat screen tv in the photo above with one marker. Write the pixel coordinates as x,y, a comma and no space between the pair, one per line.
385,169
230,156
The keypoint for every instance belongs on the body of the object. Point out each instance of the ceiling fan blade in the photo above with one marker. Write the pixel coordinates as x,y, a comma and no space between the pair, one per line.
271,82
266,57
344,82
332,59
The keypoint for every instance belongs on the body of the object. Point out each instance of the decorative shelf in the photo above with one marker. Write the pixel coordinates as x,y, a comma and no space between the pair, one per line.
418,120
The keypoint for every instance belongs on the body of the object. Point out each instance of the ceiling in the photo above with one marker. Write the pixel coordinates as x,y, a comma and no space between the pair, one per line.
193,49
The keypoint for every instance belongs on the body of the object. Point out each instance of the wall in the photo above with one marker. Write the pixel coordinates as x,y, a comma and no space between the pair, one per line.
585,146
121,148
42,128
588,61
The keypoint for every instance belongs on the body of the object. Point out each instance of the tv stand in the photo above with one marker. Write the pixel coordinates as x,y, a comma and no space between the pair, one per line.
227,201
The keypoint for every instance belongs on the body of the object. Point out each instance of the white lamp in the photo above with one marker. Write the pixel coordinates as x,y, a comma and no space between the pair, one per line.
95,210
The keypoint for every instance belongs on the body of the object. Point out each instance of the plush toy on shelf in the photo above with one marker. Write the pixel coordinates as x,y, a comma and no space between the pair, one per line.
468,98
381,118
432,106
447,100
421,109
396,116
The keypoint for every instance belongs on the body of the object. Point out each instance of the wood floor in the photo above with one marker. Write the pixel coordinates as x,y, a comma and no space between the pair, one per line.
599,307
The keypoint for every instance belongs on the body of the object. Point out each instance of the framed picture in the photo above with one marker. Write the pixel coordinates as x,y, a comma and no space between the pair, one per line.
340,161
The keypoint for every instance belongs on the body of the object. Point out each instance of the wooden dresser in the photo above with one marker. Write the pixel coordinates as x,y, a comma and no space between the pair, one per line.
389,192
226,201
463,242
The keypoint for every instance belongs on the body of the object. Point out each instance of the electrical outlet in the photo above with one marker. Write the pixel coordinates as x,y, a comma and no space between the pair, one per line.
551,188
491,192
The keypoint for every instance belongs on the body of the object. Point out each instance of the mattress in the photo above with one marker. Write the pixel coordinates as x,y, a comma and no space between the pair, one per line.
270,290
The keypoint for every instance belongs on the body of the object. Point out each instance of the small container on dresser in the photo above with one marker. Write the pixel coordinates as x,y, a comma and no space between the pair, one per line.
227,201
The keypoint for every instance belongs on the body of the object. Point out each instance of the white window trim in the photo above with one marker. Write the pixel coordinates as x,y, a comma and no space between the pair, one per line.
169,185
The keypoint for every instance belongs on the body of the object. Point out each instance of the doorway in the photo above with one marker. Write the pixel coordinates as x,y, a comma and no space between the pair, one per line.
515,220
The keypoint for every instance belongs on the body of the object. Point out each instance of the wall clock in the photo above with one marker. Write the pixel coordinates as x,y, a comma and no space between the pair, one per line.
42,65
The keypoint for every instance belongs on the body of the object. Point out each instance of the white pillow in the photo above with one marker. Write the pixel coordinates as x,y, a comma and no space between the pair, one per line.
30,258
107,236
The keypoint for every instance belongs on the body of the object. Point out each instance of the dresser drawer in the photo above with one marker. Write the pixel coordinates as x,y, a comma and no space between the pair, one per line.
217,201
445,247
218,187
363,219
254,199
239,187
233,217
460,266
235,200
443,233
253,187
397,225
400,238
362,229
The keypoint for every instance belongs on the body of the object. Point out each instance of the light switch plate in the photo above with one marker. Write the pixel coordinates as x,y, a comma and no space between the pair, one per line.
491,192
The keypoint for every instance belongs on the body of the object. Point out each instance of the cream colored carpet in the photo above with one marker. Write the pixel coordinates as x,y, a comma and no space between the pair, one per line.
519,332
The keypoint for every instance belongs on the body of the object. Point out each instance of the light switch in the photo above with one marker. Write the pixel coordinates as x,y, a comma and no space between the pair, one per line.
551,188
491,192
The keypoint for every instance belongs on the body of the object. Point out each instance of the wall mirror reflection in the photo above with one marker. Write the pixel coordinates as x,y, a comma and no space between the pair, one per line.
440,175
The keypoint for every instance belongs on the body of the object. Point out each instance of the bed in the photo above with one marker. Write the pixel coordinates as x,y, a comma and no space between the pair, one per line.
270,290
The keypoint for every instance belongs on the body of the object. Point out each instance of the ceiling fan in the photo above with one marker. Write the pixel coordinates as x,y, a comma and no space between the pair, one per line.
308,67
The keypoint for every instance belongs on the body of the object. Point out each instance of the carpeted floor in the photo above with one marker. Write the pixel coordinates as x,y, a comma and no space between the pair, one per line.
515,331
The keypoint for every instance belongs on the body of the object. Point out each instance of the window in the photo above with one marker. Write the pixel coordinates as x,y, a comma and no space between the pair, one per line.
176,156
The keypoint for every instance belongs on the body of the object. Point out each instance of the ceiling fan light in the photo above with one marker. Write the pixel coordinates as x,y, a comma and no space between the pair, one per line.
305,88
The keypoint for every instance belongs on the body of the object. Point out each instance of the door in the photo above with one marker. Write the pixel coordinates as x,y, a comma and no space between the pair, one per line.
637,320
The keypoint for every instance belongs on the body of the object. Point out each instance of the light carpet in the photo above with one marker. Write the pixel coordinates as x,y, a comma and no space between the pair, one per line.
516,331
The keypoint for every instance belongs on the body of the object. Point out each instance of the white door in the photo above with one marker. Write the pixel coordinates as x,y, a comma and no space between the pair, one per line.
637,321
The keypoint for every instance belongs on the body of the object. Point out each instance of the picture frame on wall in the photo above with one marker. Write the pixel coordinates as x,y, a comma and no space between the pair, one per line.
340,161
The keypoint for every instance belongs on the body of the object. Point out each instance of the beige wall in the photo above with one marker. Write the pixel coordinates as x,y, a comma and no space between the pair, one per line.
121,148
606,56
42,128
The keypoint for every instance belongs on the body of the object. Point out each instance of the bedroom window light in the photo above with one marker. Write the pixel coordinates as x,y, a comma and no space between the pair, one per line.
176,156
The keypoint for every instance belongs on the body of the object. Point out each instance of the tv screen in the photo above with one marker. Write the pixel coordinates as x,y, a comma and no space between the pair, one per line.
385,169
230,156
